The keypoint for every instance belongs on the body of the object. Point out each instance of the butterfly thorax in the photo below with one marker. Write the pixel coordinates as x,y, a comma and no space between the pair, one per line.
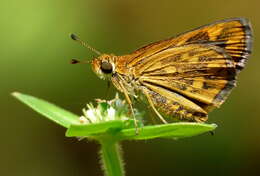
125,75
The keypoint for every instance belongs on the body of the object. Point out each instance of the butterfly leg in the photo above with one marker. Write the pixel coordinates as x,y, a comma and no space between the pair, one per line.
130,106
155,110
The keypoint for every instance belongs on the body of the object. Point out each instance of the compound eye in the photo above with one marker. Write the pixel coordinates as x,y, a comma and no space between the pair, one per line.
106,67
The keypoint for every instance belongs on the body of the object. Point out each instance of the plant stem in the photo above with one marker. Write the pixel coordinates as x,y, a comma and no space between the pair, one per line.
111,158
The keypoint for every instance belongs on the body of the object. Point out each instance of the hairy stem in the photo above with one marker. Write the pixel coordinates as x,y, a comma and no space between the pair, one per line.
111,158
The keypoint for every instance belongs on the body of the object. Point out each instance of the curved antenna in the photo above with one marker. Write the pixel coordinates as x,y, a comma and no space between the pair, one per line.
77,39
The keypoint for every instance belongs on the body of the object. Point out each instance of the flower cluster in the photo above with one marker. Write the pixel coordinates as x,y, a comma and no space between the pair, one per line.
115,109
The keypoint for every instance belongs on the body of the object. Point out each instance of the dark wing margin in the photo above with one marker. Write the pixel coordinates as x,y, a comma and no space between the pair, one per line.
236,38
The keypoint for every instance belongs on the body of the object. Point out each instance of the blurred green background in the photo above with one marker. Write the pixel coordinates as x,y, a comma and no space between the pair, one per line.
35,52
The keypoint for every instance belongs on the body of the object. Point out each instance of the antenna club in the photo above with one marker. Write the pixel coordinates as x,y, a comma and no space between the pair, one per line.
74,37
74,61
77,39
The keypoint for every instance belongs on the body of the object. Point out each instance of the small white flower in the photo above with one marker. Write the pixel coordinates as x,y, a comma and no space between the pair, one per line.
91,115
98,114
111,114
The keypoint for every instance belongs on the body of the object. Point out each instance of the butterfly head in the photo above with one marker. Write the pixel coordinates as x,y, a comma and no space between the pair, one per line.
103,66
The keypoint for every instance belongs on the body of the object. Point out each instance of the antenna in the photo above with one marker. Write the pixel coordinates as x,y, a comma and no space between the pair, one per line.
77,39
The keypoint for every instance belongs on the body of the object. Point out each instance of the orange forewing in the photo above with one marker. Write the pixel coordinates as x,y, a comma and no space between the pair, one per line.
234,35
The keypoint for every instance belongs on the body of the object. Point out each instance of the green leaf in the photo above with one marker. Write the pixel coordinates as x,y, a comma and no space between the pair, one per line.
93,129
123,132
171,130
98,128
49,110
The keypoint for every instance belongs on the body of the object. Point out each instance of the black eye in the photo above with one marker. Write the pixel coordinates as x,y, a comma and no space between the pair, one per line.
106,67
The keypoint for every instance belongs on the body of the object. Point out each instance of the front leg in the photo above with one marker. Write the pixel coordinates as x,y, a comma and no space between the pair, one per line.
130,105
